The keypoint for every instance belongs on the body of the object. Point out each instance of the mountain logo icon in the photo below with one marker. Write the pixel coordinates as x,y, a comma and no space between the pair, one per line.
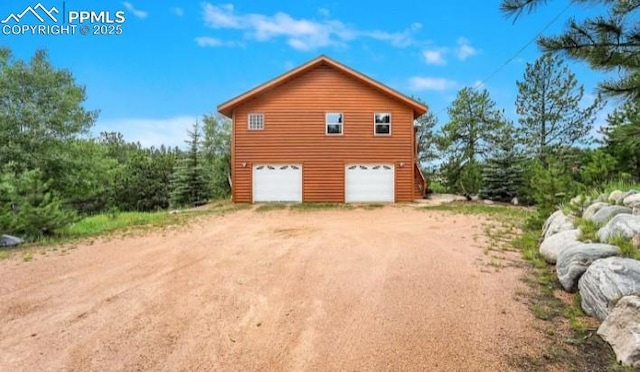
39,11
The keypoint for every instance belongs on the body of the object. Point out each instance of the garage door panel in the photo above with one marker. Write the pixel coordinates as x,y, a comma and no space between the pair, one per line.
369,183
277,183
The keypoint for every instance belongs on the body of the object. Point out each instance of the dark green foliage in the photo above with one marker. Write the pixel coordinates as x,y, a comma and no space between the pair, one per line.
622,138
426,139
141,176
142,182
466,139
28,205
502,172
90,172
550,185
41,116
190,184
598,167
549,107
216,151
609,42
48,165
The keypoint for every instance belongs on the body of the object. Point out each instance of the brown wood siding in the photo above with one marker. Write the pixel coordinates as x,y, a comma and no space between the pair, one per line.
294,132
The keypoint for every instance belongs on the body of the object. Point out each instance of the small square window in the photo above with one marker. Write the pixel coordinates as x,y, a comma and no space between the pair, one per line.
334,123
382,123
256,121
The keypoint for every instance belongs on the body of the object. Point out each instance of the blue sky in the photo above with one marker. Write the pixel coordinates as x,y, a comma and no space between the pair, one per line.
175,61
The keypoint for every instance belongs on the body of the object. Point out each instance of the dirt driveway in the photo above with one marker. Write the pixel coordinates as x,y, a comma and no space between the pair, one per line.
385,289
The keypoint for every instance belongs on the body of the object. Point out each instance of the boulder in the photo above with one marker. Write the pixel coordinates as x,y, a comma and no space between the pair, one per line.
550,219
631,192
621,329
10,241
605,213
607,280
558,224
616,196
625,225
553,245
487,201
592,209
573,261
632,200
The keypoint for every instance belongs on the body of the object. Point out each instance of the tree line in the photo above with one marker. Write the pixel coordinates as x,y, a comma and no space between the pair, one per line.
53,171
550,152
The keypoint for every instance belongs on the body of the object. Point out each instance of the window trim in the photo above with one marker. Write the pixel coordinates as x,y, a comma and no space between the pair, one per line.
326,123
390,122
249,120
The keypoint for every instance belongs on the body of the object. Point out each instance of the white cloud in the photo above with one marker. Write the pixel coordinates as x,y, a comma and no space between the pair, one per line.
138,13
434,56
150,132
299,33
178,11
464,49
431,83
207,41
478,84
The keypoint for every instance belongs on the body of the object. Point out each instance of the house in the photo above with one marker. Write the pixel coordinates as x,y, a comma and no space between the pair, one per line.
324,132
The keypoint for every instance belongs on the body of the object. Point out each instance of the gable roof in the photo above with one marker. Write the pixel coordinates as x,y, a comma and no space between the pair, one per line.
227,107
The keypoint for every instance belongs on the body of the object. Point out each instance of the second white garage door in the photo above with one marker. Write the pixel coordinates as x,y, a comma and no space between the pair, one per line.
366,183
277,183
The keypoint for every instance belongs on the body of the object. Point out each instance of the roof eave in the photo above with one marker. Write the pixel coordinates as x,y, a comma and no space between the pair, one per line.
226,108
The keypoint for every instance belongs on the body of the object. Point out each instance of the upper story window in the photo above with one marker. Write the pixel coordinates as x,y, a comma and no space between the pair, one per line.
256,121
382,123
334,123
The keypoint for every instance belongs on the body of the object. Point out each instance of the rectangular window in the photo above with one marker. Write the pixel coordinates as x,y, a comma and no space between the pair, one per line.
256,122
382,123
334,123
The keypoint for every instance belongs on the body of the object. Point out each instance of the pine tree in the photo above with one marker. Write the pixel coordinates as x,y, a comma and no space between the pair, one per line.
216,147
28,205
465,140
189,184
622,138
608,43
549,105
503,173
426,139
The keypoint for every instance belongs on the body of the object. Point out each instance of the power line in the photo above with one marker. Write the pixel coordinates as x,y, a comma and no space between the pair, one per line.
506,63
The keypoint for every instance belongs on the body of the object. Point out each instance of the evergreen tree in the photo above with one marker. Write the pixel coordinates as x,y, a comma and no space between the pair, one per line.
216,148
465,140
29,207
622,138
502,173
548,103
190,184
426,139
608,43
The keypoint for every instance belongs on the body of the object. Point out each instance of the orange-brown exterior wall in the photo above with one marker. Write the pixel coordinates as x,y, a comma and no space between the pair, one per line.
294,133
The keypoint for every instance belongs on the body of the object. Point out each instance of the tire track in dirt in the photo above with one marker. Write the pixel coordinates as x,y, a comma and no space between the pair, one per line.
386,289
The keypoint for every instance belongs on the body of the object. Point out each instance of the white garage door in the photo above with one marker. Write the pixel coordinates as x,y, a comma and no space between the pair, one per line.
369,183
277,183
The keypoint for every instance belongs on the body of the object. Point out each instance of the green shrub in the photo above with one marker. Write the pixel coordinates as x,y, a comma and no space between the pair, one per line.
28,206
548,187
588,230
